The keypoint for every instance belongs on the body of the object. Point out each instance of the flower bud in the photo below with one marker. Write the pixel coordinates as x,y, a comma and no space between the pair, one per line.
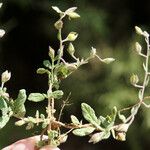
2,32
138,47
51,52
95,138
5,76
71,49
134,79
138,30
63,138
145,34
122,127
108,60
72,36
121,136
58,25
73,15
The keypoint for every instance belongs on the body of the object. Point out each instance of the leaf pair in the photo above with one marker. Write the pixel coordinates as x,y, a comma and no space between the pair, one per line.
38,97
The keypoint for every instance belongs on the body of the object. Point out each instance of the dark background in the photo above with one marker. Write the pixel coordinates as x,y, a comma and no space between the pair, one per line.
107,25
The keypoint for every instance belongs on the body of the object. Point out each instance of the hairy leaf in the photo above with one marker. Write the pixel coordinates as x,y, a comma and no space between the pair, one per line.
4,109
56,94
18,106
36,97
3,104
42,71
89,114
83,131
74,120
3,120
47,63
108,121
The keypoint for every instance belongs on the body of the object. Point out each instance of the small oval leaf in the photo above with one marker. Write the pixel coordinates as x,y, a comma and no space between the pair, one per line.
89,114
36,97
83,131
74,120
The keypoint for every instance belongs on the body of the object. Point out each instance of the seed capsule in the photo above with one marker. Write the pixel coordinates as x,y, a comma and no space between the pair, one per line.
72,36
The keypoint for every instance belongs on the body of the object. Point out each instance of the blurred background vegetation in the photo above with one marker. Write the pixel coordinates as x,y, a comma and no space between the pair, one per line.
107,25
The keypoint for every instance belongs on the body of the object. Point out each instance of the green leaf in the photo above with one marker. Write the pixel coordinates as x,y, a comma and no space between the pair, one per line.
52,134
3,120
4,109
63,71
47,63
89,114
104,121
3,104
83,131
36,97
18,106
56,94
108,121
97,137
42,71
75,120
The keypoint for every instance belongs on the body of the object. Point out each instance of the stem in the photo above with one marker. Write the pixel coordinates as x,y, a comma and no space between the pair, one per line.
132,116
2,85
138,86
146,70
50,88
60,46
142,55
